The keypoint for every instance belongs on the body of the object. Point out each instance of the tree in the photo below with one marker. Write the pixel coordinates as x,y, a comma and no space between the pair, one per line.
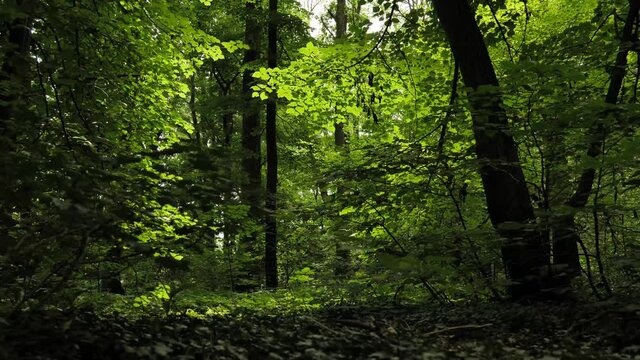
15,70
251,141
342,252
524,253
15,78
565,235
271,230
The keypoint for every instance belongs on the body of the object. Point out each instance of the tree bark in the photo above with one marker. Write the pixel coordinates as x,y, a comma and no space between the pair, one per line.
227,125
565,236
341,31
508,201
343,254
194,112
271,229
15,80
14,74
251,143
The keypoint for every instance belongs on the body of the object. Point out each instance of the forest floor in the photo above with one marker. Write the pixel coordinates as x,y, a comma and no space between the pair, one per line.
606,330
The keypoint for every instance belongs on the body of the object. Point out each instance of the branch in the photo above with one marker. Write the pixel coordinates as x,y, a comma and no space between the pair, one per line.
459,327
502,33
386,29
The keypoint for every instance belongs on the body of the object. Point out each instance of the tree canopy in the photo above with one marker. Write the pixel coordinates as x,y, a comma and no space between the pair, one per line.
195,156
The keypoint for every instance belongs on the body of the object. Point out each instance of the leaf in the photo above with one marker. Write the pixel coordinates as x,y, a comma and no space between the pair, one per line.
347,210
161,349
309,49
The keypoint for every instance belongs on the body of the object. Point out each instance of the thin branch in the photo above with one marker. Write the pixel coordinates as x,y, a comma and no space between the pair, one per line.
394,6
502,32
459,327
57,98
588,273
437,295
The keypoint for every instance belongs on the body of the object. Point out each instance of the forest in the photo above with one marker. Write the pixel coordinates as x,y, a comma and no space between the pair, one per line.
319,179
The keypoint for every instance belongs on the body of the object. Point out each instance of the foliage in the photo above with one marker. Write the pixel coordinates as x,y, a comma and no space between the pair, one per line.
122,150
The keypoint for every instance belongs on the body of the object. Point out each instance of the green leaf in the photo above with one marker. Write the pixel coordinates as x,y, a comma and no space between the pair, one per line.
347,210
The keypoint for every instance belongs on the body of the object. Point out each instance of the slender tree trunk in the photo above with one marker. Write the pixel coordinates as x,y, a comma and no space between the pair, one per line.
507,196
227,110
194,113
229,229
565,236
341,31
227,124
343,254
251,142
271,233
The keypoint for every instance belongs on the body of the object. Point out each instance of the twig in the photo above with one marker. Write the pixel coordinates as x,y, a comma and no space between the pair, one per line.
358,324
502,32
459,327
321,325
386,29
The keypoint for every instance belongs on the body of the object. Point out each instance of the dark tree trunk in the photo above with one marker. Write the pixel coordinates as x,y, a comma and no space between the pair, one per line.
14,74
15,79
343,254
341,31
565,236
271,235
110,281
228,111
508,202
227,124
251,142
194,112
229,229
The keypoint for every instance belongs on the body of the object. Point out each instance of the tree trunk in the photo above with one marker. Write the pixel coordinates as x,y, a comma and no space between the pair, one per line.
15,79
110,278
341,31
508,201
251,142
343,254
271,239
227,124
565,236
194,112
14,74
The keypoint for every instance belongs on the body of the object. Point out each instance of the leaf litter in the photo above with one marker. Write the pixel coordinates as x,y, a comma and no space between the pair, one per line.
606,330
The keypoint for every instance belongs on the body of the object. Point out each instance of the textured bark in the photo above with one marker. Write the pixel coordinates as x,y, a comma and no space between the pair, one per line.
341,18
565,236
343,254
507,196
271,229
251,141
341,31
